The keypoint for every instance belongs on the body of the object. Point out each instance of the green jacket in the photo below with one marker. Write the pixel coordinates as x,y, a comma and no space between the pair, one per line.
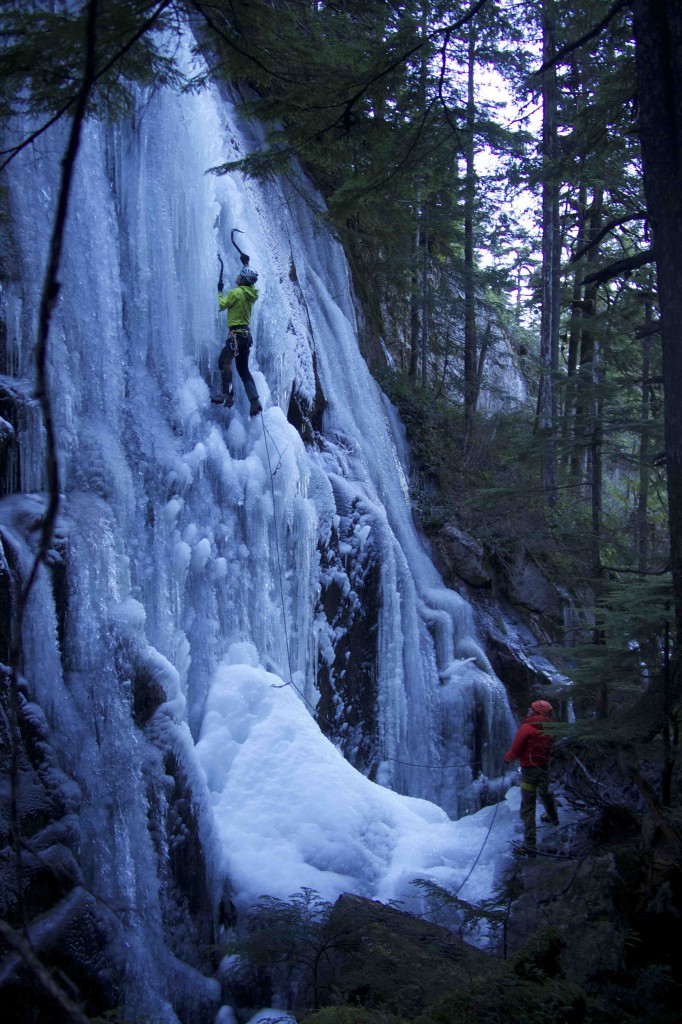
238,302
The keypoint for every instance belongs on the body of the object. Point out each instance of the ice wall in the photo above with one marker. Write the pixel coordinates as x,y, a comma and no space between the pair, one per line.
192,535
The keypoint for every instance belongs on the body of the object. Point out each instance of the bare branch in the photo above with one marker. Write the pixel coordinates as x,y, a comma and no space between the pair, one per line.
23,947
578,43
49,296
615,223
15,150
621,267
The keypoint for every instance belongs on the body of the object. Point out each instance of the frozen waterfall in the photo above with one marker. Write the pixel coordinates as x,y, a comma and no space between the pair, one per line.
197,545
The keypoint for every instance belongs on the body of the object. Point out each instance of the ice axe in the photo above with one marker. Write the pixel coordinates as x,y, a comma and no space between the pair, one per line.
242,255
221,283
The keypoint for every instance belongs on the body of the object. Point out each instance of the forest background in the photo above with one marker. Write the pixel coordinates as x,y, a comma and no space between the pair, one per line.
515,169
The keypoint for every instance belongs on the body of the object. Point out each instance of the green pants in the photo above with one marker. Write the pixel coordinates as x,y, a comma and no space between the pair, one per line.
534,783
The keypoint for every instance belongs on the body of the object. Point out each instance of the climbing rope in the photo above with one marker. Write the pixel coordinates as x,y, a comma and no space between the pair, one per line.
279,559
436,767
478,855
279,686
290,682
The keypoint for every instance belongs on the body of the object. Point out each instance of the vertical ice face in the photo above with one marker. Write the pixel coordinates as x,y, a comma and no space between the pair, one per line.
216,520
193,529
219,520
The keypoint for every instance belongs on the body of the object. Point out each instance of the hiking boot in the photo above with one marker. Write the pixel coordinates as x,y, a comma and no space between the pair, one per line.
255,407
549,821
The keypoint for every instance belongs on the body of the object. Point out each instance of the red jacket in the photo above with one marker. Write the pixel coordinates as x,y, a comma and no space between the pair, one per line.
531,746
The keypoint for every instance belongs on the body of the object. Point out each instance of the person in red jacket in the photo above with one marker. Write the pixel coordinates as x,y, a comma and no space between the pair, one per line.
532,747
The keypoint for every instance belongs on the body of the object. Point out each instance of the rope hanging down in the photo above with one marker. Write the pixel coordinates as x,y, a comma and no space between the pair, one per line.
290,682
279,560
436,767
478,855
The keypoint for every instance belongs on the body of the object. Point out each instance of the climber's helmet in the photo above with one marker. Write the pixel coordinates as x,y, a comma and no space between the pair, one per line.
247,275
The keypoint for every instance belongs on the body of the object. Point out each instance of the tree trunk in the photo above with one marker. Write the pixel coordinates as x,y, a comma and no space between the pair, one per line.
425,300
658,41
574,330
585,383
470,342
596,462
551,252
576,300
642,528
415,326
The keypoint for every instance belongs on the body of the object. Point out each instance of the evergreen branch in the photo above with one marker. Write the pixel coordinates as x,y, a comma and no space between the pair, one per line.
615,223
620,267
648,332
30,139
578,43
638,572
377,183
262,162
447,31
567,887
199,7
656,810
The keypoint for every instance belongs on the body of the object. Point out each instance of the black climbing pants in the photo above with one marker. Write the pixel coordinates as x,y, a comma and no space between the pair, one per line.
534,783
237,348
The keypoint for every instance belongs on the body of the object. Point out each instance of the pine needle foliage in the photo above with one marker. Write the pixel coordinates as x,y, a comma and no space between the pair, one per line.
370,97
390,967
42,57
624,648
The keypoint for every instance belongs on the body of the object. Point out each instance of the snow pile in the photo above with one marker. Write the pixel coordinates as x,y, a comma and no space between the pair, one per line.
291,812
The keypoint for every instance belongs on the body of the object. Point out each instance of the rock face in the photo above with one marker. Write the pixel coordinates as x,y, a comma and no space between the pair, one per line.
518,608
461,555
349,604
46,844
40,839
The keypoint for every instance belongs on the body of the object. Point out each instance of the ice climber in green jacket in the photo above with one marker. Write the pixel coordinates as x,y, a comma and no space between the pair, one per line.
238,302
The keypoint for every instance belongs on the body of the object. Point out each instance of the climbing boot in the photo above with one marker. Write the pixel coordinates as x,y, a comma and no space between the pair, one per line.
225,400
255,407
548,821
